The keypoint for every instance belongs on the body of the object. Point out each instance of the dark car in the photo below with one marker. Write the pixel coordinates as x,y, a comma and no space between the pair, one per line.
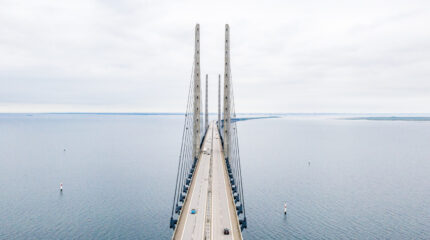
226,231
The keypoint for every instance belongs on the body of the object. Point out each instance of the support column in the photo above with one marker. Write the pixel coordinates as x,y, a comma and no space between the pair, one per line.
206,106
197,93
227,94
219,102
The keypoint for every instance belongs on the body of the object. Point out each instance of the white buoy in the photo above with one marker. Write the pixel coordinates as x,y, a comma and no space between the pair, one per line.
61,187
285,208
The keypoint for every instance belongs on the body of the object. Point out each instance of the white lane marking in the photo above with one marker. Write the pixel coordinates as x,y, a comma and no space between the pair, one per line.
204,217
221,174
206,202
212,219
212,202
186,214
192,197
218,187
228,205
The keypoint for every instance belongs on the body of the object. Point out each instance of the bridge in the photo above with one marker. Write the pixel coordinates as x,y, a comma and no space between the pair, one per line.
208,202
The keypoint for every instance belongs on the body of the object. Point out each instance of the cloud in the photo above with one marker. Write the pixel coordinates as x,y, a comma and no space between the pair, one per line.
287,56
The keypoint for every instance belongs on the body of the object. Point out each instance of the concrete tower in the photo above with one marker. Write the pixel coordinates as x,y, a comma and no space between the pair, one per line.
227,92
219,102
206,106
197,93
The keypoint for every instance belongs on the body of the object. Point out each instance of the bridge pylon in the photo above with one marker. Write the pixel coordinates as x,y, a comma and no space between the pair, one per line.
227,91
206,106
230,137
197,98
209,188
219,101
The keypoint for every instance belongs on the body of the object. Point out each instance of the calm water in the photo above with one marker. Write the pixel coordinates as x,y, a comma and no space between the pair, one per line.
366,179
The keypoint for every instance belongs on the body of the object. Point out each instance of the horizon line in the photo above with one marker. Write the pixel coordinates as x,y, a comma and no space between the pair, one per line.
213,113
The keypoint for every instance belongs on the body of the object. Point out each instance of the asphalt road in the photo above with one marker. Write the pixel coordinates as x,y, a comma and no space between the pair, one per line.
222,215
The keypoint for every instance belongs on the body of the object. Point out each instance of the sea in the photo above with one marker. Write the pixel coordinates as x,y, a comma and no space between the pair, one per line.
341,176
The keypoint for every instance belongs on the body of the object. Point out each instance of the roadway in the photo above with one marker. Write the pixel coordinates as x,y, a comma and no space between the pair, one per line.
224,211
210,195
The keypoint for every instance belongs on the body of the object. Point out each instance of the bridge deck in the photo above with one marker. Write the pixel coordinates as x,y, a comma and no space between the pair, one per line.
210,195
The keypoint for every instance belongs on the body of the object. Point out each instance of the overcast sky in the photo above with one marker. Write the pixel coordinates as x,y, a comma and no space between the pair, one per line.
287,56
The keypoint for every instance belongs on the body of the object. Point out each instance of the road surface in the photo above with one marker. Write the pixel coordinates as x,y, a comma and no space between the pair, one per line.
210,195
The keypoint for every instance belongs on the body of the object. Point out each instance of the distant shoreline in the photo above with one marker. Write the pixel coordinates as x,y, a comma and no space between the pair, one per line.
422,117
393,118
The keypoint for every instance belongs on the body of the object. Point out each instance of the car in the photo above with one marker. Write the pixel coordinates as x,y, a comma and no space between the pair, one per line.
226,231
193,211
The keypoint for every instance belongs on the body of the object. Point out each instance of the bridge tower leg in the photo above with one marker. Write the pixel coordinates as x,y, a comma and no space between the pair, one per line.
206,106
219,101
197,93
227,91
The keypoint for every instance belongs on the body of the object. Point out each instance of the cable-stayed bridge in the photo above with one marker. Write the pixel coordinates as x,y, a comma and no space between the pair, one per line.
208,202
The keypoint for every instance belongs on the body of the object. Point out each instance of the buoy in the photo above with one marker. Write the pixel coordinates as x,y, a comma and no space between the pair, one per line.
61,187
285,208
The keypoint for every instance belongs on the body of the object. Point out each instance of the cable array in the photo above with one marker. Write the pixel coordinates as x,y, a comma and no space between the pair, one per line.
187,163
233,160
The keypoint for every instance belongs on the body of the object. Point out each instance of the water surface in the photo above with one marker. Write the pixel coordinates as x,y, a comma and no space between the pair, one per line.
341,179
